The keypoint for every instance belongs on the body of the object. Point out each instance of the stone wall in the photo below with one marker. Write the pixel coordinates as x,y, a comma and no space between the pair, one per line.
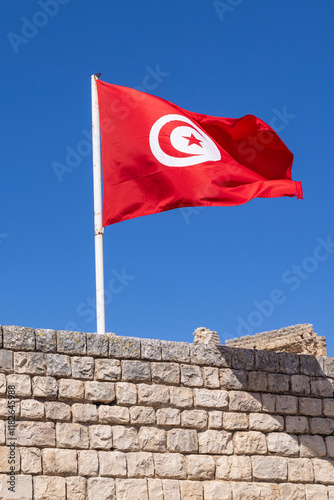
102,418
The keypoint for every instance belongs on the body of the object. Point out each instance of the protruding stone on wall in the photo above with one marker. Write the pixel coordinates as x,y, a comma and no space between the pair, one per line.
203,335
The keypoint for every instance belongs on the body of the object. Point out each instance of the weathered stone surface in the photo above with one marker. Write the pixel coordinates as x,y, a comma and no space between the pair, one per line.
200,467
155,490
58,365
140,464
152,439
46,340
288,362
182,441
88,464
296,425
82,367
101,488
269,468
108,369
278,382
114,415
243,359
321,425
211,377
112,463
316,492
37,434
266,423
57,411
100,391
245,401
215,442
97,345
181,397
124,347
2,432
282,444
136,371
312,446
31,363
328,407
170,465
100,437
257,381
32,409
49,488
300,470
256,491
266,361
191,490
76,488
234,468
250,443
151,349
22,384
71,342
268,403
72,436
18,338
211,399
23,488
71,389
142,415
211,355
233,379
321,387
168,417
165,373
191,376
310,406
131,488
292,491
214,490
84,412
6,361
126,394
311,365
330,446
215,420
6,455
31,460
175,351
4,408
171,489
235,421
286,405
153,395
125,438
59,462
300,384
44,387
323,470
196,419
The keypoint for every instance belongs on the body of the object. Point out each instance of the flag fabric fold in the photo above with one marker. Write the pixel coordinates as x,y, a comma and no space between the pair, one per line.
157,156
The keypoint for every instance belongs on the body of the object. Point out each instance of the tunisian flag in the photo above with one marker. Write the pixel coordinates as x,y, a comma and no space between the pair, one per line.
157,156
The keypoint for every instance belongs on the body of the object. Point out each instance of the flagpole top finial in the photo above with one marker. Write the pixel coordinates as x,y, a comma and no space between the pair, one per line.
97,76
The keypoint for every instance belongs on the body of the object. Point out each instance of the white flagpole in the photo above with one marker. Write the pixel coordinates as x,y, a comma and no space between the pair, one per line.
98,228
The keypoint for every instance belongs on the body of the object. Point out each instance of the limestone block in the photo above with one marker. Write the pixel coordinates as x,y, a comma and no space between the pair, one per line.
3,432
200,467
140,464
136,371
265,422
181,397
57,411
127,489
168,417
268,403
245,401
125,438
215,420
46,340
257,381
196,419
18,338
214,490
243,359
250,443
328,405
7,454
278,382
165,373
23,488
235,421
233,379
175,351
300,470
211,377
4,407
211,399
155,491
330,492
215,442
112,463
126,394
269,468
300,384
321,388
323,470
266,361
312,446
256,491
35,434
71,342
153,395
58,462
182,441
82,367
100,391
124,347
71,389
321,425
234,468
108,369
311,365
171,489
288,362
100,437
292,491
101,488
191,490
97,345
296,425
170,465
284,444
150,349
32,409
31,363
44,387
210,355
286,405
6,361
143,415
88,464
49,488
311,406
316,492
76,488
84,412
152,439
58,365
191,376
114,414
22,384
330,446
71,436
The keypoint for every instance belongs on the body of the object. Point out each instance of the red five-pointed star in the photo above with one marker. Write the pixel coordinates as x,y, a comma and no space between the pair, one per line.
192,140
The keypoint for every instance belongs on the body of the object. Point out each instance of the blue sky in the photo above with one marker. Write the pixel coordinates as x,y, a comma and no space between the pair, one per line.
260,266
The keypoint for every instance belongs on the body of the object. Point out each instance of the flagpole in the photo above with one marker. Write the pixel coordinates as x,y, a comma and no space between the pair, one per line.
98,228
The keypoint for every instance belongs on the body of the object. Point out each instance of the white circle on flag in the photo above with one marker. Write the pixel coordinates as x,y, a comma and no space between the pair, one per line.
188,139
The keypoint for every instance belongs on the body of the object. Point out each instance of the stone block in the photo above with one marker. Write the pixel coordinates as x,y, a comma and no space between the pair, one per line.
100,437
124,348
45,387
283,444
88,463
233,379
323,470
71,389
300,470
296,425
32,409
82,367
245,401
108,369
277,382
31,363
234,468
59,462
15,405
36,434
168,417
328,367
256,491
211,355
316,492
191,490
215,442
165,373
266,361
312,446
269,468
22,384
182,397
76,488
140,464
101,488
235,421
142,415
330,446
97,345
171,489
6,361
214,490
215,419
58,365
152,439
321,388
49,488
72,436
46,340
153,395
175,351
125,438
266,422
243,359
328,406
3,432
57,411
200,467
114,415
292,491
300,384
170,465
136,371
311,406
288,362
31,460
321,425
17,338
311,365
112,463
151,349
100,391
250,443
71,342
84,412
131,488
196,419
155,491
206,398
182,441
6,455
211,377
287,405
268,403
257,381
191,376
126,394
23,488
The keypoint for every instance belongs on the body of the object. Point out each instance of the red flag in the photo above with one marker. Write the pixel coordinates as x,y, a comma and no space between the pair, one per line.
157,156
